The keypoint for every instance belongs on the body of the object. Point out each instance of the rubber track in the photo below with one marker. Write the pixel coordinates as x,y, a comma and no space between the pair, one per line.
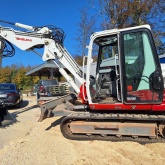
84,116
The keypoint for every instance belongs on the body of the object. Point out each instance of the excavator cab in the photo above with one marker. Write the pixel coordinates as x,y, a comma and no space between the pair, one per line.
128,69
141,74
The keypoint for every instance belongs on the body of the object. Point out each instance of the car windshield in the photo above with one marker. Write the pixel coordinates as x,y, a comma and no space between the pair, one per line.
6,87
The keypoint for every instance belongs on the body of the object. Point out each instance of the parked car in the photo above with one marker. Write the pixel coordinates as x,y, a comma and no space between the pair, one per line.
43,87
51,88
11,94
33,90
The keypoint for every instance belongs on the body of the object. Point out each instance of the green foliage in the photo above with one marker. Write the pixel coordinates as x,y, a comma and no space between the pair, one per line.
17,74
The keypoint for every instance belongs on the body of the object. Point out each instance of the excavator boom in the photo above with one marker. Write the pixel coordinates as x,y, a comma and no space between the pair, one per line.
51,39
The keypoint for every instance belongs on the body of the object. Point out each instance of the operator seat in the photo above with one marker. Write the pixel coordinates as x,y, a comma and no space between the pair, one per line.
107,83
112,85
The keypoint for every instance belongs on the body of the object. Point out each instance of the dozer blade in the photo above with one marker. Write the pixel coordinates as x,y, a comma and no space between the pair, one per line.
48,104
8,119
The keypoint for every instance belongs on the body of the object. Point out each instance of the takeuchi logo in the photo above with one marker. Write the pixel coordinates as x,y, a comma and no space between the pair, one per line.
23,39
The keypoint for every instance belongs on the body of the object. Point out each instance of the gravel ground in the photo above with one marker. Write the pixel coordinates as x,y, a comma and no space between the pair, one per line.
29,142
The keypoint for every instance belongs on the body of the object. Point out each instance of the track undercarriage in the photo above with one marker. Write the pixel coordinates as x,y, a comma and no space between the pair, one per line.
141,128
79,123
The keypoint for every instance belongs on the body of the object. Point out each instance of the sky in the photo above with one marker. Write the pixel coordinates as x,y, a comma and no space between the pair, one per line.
64,14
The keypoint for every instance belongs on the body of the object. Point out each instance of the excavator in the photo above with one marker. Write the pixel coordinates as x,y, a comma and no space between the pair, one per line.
122,93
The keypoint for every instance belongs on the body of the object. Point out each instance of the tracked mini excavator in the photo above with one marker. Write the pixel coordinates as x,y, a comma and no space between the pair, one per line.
122,98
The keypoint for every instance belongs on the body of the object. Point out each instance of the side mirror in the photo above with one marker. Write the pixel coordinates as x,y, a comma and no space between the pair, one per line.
156,81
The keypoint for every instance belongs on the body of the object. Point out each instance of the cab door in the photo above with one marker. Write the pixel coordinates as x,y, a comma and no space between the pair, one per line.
142,80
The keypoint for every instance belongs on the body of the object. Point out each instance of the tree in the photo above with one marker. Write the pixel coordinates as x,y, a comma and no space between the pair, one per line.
161,4
112,12
17,74
127,13
78,59
161,31
6,74
85,29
